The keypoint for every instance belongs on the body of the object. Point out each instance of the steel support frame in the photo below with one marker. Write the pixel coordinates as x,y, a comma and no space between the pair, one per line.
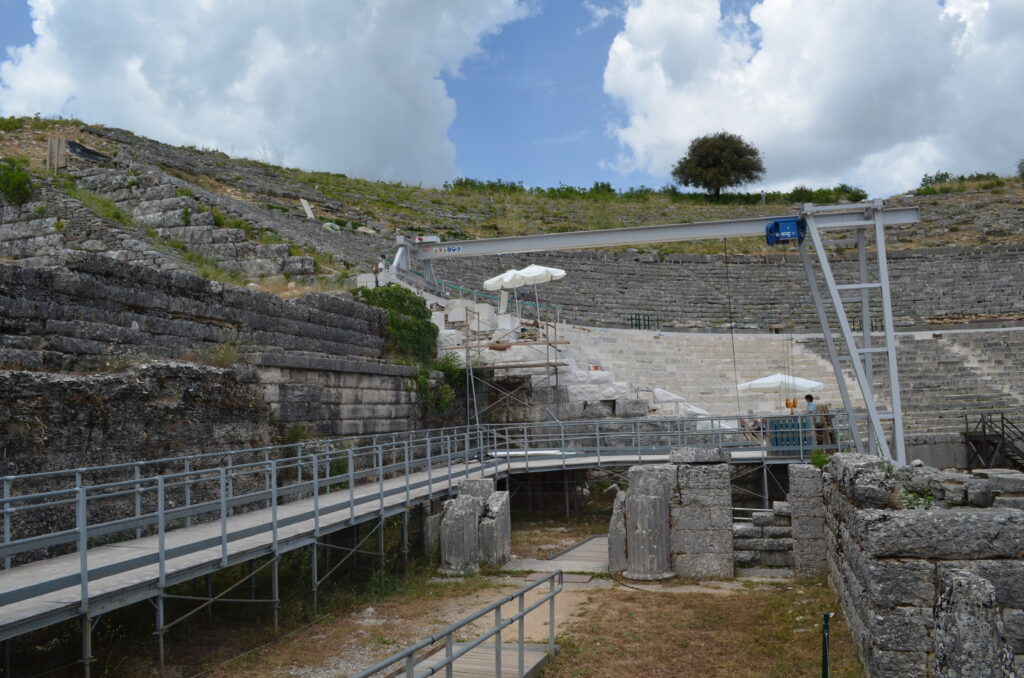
859,357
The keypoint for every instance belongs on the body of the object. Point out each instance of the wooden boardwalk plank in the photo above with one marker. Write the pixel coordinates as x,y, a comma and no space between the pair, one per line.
479,662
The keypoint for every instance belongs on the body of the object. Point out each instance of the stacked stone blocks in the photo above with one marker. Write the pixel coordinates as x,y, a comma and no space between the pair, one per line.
675,519
766,541
475,527
930,584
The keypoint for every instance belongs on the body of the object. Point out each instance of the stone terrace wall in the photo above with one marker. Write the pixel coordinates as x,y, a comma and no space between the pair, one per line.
936,590
98,307
692,290
313,363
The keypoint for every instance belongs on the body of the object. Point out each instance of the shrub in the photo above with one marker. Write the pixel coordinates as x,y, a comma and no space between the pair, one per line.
15,183
819,458
1020,168
935,179
410,334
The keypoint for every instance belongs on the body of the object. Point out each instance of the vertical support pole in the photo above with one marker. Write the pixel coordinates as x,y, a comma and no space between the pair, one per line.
380,542
406,449
430,472
865,321
209,596
316,497
405,541
138,500
160,631
314,574
551,617
275,592
6,509
380,480
82,526
826,332
188,490
497,642
764,484
898,451
448,652
351,488
223,519
522,636
273,507
231,483
86,649
7,658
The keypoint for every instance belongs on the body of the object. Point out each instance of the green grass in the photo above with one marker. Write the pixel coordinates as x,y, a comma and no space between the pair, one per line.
99,204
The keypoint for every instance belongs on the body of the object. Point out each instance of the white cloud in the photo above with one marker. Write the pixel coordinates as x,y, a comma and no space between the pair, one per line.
598,15
872,92
346,86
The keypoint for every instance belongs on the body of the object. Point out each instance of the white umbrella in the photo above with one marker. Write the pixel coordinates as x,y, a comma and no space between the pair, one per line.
531,275
778,382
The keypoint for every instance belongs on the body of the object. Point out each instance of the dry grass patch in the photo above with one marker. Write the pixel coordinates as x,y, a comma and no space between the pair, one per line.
766,630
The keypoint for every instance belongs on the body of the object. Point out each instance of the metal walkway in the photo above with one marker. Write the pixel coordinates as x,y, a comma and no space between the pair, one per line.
136,529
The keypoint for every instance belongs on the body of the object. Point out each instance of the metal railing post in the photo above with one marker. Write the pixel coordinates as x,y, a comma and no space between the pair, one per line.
351,487
522,636
82,527
223,517
551,614
430,473
597,432
161,528
138,500
380,479
497,642
316,495
406,473
7,510
448,647
188,491
231,483
273,505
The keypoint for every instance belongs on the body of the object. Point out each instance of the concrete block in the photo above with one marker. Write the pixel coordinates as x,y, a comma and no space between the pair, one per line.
631,409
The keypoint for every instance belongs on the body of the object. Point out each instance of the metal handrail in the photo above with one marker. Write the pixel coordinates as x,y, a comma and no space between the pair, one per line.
145,502
408,655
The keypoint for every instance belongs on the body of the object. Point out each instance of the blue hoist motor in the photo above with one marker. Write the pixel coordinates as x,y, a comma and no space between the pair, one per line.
781,230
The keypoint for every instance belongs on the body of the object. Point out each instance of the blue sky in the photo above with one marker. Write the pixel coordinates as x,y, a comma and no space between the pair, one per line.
867,92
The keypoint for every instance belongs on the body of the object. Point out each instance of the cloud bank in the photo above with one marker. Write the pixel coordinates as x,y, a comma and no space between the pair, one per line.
345,86
870,92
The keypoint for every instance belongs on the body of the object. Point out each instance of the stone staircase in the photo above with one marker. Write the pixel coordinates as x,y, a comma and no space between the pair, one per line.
700,366
939,385
154,201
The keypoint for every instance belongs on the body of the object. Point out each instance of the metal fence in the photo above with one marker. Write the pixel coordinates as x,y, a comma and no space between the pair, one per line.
50,512
407,657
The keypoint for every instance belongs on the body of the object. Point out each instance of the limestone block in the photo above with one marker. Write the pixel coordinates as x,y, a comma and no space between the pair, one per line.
460,542
631,409
476,487
763,519
744,558
891,664
901,629
808,528
617,535
698,455
778,532
968,629
496,530
432,535
782,508
888,582
746,531
705,565
864,479
1006,575
1003,480
763,544
1013,629
967,533
809,558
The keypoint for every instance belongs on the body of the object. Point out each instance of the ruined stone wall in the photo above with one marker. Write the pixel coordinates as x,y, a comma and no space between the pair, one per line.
312,363
929,566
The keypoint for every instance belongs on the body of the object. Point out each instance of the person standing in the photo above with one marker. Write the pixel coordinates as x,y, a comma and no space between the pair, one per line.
811,406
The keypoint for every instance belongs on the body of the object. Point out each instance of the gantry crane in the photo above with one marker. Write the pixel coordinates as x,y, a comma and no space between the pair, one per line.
871,289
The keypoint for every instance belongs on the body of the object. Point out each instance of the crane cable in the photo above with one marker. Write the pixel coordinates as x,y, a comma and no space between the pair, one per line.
732,325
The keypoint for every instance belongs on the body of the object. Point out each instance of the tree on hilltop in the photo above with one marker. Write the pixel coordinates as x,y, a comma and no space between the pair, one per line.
717,161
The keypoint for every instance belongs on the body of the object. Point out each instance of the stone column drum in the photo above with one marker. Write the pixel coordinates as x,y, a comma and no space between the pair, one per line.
647,521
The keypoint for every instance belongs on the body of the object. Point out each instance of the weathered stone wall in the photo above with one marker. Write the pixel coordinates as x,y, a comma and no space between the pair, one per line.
766,541
933,590
313,362
96,307
674,519
475,527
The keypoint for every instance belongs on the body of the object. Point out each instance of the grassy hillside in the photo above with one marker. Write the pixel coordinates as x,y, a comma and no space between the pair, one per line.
972,211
